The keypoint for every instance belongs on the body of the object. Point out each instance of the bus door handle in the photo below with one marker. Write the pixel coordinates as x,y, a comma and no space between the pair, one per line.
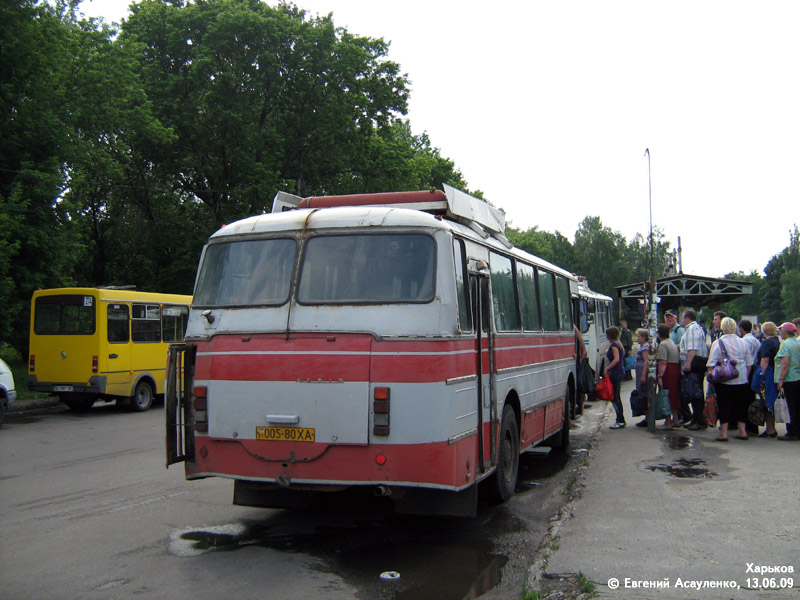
113,356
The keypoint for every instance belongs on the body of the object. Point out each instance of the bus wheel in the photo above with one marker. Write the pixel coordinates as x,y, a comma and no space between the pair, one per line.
562,441
80,404
142,398
504,479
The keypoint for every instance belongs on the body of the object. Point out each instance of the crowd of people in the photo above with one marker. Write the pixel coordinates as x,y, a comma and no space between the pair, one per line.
762,363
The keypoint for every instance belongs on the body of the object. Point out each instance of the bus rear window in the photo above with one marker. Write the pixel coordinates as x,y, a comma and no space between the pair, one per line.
64,315
377,268
246,273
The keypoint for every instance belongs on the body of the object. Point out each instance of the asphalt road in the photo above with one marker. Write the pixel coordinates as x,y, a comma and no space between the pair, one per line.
90,511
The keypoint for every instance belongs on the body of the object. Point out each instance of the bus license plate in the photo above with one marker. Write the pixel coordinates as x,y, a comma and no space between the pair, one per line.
62,388
285,434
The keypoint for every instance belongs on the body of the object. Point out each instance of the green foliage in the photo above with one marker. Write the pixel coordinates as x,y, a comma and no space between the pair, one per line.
746,305
121,151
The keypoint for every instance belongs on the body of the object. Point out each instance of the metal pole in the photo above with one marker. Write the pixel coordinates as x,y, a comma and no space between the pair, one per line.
651,299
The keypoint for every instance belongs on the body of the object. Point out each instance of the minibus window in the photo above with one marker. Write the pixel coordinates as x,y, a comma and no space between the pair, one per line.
118,330
64,315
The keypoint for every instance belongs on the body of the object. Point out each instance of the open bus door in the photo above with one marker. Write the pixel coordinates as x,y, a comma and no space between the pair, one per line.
178,403
485,369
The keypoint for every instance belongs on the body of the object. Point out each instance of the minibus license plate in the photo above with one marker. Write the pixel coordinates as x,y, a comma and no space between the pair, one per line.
285,434
62,388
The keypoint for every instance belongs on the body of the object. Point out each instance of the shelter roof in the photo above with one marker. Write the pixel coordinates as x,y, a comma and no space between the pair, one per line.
684,290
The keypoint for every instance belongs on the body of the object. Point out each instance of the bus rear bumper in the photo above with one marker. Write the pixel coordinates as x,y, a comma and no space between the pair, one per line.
96,385
402,500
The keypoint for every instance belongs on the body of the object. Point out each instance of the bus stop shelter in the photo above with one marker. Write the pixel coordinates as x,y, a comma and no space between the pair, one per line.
683,290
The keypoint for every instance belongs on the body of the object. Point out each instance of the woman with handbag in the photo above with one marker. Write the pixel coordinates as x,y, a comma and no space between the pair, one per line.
766,355
615,370
729,352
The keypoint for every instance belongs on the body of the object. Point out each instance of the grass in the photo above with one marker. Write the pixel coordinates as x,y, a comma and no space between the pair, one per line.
584,585
20,372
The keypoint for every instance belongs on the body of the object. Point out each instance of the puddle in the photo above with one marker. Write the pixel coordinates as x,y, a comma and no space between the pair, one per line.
434,559
685,468
679,442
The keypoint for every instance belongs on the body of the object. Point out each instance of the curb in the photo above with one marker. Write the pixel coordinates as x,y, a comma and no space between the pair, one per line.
29,404
537,570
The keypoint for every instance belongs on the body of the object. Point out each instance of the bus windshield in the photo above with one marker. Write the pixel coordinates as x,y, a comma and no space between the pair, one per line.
246,273
335,269
371,268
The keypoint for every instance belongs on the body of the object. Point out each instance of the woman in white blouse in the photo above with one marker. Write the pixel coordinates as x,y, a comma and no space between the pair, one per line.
733,396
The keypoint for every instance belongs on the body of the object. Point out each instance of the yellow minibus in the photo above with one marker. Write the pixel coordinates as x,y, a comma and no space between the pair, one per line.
89,344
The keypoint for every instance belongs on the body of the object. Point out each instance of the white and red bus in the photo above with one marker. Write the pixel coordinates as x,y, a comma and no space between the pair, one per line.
395,344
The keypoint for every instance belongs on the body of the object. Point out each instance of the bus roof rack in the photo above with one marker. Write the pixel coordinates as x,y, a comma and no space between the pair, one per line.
453,204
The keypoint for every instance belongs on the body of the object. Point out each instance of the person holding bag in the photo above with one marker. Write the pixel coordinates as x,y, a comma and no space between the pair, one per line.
766,355
733,394
787,378
694,352
615,370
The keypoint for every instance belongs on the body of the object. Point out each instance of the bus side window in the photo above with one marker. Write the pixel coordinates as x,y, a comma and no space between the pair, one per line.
528,301
173,323
547,296
586,317
118,332
146,323
464,313
562,299
504,293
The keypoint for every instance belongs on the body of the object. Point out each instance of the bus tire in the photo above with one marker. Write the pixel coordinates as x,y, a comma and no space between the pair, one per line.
79,404
561,442
142,398
504,480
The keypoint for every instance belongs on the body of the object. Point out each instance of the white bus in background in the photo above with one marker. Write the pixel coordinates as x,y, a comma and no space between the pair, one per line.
596,315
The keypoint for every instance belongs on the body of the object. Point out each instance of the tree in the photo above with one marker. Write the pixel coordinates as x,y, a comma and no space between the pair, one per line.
552,247
746,305
601,256
38,247
261,99
779,291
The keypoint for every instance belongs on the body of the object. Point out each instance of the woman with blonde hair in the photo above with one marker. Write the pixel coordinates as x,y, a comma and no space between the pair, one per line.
733,396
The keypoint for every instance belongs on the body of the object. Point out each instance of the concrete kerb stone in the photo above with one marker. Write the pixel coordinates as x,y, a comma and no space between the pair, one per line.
572,494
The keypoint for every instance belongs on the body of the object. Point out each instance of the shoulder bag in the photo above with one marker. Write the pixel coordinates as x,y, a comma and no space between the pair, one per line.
725,369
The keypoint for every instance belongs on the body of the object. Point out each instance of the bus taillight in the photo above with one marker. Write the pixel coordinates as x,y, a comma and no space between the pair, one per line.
200,395
380,406
32,363
94,364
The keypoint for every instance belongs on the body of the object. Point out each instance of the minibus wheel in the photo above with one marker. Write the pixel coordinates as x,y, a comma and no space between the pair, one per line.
142,398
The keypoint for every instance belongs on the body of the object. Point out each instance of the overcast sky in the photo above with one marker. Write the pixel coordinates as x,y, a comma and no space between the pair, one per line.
548,107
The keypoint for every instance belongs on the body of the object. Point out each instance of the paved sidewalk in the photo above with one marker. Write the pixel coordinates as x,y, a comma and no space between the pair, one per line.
677,508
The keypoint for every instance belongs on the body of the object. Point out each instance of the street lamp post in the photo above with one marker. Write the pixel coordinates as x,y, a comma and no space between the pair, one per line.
650,302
